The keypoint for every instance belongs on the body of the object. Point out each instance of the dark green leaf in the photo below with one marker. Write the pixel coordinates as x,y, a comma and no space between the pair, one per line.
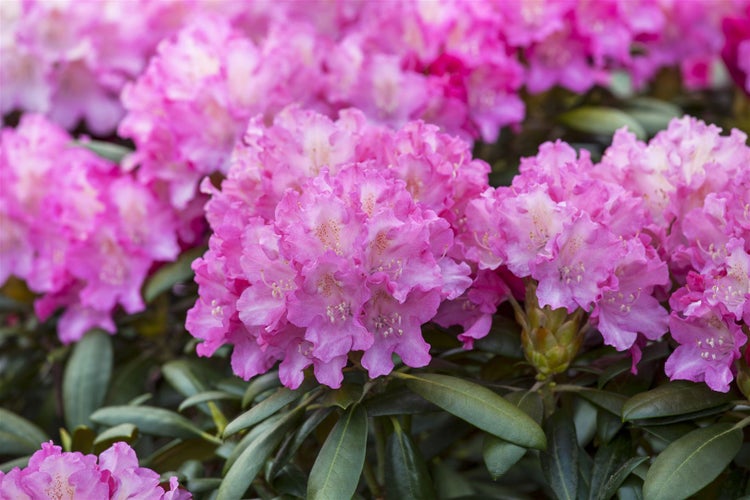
83,439
263,410
20,462
18,436
175,454
601,121
607,460
610,401
336,471
530,402
86,378
249,463
618,477
500,455
107,150
184,376
560,461
171,274
449,483
260,385
122,432
692,462
607,426
290,447
203,397
650,353
398,402
673,398
406,474
480,407
150,420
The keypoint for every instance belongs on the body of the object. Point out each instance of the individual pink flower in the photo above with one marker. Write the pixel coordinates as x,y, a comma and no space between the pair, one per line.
115,473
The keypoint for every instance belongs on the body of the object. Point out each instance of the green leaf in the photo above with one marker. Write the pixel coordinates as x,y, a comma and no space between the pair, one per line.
290,447
20,462
560,461
400,401
18,436
692,462
479,406
650,353
262,410
610,401
500,455
122,432
86,378
175,454
608,459
259,385
107,150
619,476
406,474
673,398
150,420
203,397
601,121
336,471
83,439
249,463
169,275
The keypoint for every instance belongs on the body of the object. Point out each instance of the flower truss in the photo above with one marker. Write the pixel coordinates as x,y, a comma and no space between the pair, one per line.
610,239
52,473
332,237
79,231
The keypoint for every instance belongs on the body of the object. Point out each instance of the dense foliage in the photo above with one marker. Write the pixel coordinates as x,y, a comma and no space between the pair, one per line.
408,249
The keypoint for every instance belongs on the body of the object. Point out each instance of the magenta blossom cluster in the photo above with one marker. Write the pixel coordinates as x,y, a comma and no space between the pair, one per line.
70,59
331,238
696,185
663,222
76,229
52,473
580,238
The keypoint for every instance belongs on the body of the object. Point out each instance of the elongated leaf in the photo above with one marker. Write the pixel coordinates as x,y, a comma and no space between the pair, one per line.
19,436
336,471
262,410
82,439
176,453
290,447
150,420
406,474
673,398
107,150
184,377
400,401
203,397
651,353
618,477
169,275
122,432
560,460
480,407
610,401
601,120
259,385
500,455
249,463
86,378
692,462
607,460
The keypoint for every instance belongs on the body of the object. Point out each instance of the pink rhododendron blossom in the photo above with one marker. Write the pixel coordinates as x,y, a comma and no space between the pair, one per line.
83,234
695,182
578,235
52,473
330,238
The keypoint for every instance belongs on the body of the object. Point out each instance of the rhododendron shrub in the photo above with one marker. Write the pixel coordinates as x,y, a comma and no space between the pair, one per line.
115,473
80,233
332,237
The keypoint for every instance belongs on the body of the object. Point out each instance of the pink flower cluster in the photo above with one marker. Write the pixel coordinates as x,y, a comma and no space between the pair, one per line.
736,50
75,228
580,238
52,473
329,238
613,238
696,185
69,59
